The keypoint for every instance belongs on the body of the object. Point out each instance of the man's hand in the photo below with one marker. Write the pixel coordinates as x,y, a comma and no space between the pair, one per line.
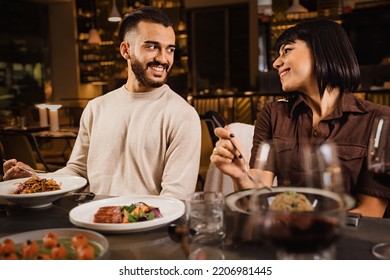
12,169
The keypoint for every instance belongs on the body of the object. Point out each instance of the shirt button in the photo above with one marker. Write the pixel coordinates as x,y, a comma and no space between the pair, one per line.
316,132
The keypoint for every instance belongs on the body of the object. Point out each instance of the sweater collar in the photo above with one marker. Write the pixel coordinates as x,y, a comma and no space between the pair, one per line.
154,94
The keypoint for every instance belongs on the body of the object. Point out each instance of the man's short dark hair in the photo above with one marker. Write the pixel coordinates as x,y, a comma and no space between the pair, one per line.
148,14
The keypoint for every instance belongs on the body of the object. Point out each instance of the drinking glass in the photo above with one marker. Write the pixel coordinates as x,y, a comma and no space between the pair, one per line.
303,215
379,167
206,225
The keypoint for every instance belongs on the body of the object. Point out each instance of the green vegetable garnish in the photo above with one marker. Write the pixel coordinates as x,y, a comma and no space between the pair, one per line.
151,216
294,204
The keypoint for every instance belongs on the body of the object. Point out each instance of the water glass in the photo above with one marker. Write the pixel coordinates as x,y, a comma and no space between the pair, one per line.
206,215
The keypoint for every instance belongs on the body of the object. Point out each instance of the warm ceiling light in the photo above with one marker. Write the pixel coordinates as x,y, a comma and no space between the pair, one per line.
114,15
94,37
296,7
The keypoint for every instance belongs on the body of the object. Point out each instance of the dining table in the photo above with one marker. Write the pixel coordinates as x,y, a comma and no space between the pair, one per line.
355,242
67,134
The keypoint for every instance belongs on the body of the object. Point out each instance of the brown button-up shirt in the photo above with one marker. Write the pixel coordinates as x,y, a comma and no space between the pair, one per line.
289,123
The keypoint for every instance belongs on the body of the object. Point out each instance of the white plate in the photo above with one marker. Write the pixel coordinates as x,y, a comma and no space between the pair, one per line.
99,240
232,200
170,208
35,200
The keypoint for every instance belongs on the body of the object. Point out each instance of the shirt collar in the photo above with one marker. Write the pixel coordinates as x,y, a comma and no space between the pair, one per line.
348,103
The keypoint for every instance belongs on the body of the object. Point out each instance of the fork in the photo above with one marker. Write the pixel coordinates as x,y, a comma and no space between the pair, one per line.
254,180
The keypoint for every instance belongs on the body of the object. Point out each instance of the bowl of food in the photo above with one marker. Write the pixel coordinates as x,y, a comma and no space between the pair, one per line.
292,199
296,219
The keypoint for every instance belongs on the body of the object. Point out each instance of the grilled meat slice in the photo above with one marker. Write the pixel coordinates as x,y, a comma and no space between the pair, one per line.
108,214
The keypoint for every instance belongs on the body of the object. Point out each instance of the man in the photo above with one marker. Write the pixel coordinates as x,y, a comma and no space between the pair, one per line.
142,138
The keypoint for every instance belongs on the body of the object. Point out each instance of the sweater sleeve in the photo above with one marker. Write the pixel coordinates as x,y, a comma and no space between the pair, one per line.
77,164
182,156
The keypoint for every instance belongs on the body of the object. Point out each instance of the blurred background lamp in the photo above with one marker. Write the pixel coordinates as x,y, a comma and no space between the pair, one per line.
94,37
114,15
42,114
53,112
296,7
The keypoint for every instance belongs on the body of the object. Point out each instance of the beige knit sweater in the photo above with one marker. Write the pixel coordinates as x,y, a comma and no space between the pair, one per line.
138,143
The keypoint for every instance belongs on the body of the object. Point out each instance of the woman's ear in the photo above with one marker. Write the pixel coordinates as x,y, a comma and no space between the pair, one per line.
125,50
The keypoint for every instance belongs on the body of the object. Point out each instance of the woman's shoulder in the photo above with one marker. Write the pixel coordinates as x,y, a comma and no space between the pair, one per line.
281,103
278,106
378,109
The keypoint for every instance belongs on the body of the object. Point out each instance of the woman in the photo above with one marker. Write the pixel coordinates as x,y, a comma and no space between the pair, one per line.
317,65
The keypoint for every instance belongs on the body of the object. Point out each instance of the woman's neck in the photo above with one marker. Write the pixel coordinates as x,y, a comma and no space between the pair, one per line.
322,107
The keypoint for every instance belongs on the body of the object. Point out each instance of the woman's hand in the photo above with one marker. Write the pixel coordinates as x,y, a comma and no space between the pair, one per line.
226,156
12,170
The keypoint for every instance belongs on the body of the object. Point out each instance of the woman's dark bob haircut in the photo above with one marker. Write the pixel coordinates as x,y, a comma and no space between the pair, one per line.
148,14
336,65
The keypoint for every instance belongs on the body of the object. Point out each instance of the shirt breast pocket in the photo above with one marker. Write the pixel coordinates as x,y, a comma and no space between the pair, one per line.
351,152
352,160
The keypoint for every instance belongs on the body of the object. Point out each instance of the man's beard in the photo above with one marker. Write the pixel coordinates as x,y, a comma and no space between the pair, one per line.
140,73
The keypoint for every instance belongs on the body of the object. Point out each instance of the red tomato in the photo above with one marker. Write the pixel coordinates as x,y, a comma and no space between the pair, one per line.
50,240
8,246
79,239
9,256
85,252
58,252
43,257
29,249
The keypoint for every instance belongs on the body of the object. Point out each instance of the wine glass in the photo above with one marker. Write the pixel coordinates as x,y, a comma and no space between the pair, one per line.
379,167
303,215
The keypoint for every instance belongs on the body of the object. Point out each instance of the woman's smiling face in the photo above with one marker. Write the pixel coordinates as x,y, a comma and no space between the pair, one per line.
295,66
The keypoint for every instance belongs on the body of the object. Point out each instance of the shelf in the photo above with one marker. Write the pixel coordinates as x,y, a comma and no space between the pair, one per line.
102,62
97,62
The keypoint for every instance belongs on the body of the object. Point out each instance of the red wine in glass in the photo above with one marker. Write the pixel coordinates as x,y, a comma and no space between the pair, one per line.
380,172
379,151
379,167
300,233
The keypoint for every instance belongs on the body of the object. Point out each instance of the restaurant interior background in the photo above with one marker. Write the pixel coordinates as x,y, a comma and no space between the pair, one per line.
223,60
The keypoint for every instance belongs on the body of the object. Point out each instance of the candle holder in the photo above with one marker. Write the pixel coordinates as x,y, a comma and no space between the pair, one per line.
42,114
53,113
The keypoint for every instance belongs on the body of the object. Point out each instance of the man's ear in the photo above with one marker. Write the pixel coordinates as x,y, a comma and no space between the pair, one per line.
125,50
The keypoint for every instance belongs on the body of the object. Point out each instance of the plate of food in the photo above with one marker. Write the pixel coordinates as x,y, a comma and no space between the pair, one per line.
127,213
53,244
291,199
42,191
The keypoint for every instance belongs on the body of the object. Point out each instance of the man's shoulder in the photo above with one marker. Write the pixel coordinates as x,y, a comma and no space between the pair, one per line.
107,97
171,94
177,102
